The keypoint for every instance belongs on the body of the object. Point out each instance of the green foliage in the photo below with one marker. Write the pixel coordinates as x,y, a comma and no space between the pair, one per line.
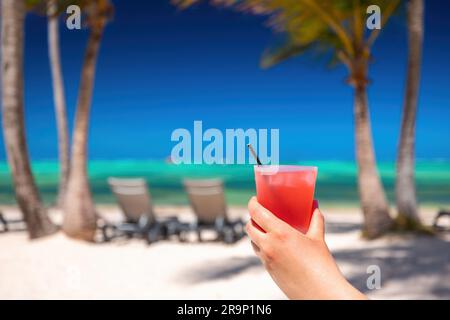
94,11
32,3
405,224
335,27
40,6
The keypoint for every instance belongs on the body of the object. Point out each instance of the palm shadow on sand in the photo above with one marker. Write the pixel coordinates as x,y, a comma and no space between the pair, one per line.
403,259
222,269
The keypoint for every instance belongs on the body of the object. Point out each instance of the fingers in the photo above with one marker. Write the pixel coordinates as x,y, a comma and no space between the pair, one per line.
263,217
256,248
317,226
255,234
315,205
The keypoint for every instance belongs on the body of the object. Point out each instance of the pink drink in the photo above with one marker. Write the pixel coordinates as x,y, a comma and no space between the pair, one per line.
288,192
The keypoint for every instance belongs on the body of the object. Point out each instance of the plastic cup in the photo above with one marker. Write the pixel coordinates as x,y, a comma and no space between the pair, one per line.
288,192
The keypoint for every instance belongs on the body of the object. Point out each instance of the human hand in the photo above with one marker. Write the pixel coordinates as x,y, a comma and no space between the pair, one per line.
300,264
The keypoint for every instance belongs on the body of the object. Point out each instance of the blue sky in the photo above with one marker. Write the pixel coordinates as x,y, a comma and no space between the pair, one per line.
160,69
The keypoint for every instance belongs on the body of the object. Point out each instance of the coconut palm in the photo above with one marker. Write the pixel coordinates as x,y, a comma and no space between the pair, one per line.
52,9
80,217
338,28
27,194
58,97
408,217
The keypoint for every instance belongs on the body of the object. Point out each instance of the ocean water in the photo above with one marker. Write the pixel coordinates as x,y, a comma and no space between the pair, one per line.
336,183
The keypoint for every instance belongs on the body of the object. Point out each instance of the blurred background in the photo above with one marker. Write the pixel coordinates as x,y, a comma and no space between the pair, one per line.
162,65
160,68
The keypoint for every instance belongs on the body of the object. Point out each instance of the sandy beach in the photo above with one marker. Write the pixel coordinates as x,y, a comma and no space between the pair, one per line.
61,268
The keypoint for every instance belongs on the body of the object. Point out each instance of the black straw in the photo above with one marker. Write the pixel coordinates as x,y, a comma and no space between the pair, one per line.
254,154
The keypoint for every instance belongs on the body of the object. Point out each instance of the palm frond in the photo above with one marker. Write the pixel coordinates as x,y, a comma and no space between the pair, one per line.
332,27
271,57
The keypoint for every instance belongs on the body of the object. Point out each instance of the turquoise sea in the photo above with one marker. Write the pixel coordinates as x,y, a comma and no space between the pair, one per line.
336,180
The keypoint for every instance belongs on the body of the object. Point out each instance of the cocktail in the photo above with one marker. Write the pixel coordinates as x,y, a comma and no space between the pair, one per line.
288,192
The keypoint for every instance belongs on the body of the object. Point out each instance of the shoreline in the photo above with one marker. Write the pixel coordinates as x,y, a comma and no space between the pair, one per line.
113,211
336,184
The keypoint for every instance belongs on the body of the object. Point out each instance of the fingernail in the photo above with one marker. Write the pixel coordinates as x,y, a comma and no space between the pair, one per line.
315,205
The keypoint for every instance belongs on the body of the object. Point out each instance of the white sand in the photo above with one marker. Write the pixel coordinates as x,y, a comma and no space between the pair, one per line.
58,267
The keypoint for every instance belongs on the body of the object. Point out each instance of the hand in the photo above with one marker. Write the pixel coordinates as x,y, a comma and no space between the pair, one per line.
300,264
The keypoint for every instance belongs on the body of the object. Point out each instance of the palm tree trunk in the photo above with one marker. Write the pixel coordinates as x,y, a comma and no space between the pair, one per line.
373,199
80,218
408,217
27,194
59,100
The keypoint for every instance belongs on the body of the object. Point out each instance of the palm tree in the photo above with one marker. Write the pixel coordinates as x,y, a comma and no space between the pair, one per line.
80,218
58,97
405,189
337,27
27,194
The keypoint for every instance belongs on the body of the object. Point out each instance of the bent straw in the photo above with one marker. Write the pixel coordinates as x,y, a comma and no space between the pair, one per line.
254,154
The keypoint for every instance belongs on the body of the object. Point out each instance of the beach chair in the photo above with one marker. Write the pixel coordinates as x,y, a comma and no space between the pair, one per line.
135,202
207,200
3,222
440,214
11,225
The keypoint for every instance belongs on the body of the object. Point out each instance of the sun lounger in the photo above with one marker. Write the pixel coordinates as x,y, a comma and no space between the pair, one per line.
3,223
207,200
440,214
135,203
17,224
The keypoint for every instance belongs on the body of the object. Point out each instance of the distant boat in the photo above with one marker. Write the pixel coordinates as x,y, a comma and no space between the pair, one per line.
168,160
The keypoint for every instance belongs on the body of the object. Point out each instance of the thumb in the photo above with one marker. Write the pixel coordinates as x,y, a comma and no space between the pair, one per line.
317,226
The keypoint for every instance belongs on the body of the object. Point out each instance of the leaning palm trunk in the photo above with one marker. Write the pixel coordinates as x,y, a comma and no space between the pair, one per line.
372,196
27,194
80,218
405,188
59,99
